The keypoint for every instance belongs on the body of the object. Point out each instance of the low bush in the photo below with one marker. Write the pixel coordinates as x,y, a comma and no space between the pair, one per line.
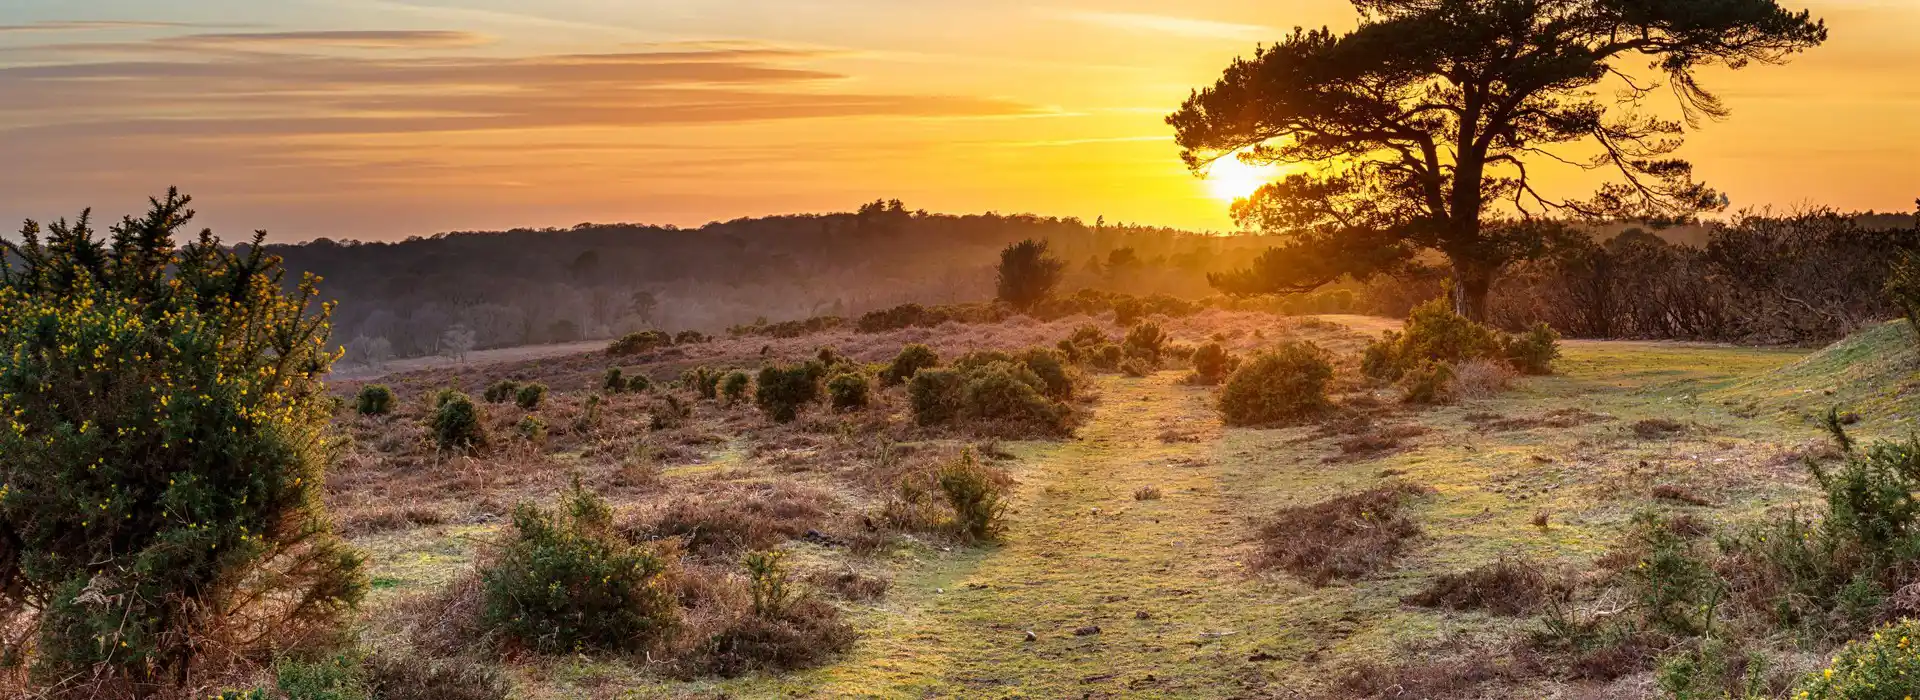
501,391
397,675
457,423
533,429
1885,666
1429,383
1532,352
565,582
848,392
639,383
719,526
1051,368
691,338
669,412
734,387
614,382
1506,587
1212,364
374,400
804,634
994,388
1344,538
1481,379
639,342
976,496
781,390
1146,341
1435,334
935,395
910,360
1716,669
530,396
704,381
1282,386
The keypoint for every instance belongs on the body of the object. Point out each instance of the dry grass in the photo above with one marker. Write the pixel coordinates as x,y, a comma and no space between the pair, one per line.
1344,538
722,518
1475,380
1658,428
1510,587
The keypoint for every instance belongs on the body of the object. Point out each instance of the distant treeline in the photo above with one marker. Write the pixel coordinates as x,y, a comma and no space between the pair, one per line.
1759,279
593,281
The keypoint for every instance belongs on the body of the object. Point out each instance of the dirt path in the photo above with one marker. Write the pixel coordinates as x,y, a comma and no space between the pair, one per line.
1161,579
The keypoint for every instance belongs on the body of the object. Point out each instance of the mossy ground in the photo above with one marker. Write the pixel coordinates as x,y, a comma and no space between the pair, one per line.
1166,581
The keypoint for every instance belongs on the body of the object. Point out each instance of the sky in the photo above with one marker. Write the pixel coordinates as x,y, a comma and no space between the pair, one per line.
380,119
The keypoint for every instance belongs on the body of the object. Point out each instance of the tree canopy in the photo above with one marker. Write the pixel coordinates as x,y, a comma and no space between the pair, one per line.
1426,123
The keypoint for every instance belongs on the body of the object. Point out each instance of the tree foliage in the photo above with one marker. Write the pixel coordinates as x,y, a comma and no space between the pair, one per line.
1028,273
1433,112
163,423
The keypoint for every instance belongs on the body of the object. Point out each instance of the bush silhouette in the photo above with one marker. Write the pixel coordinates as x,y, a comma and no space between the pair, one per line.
639,342
531,395
165,441
781,391
501,391
734,387
1211,364
1028,273
975,496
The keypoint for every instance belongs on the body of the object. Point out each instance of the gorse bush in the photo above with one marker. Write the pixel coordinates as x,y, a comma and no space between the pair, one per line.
734,387
1055,379
501,391
1435,334
165,442
1001,392
848,392
1885,666
374,400
457,423
1903,286
1427,383
975,495
639,342
910,360
530,396
935,395
566,582
704,381
1212,364
781,390
639,383
769,582
615,381
1285,385
1146,341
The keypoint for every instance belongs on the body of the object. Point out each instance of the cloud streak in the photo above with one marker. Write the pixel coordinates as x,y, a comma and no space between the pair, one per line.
1185,27
335,39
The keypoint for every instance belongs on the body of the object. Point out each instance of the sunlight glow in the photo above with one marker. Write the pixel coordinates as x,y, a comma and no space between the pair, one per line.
1230,179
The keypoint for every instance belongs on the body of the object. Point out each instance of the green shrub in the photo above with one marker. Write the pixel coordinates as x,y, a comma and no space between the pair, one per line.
935,395
690,338
1285,385
704,381
501,391
780,391
615,381
1428,383
1212,364
457,423
669,412
639,383
639,342
1676,590
1435,334
769,582
1010,393
589,417
1903,286
533,428
1885,666
1534,351
165,448
1714,669
1056,382
333,678
976,496
1088,336
849,392
910,360
1108,357
1128,311
531,395
734,387
1146,341
566,582
374,400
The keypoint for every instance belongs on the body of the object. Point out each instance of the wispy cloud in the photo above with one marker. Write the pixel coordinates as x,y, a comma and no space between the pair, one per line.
337,39
1172,25
87,25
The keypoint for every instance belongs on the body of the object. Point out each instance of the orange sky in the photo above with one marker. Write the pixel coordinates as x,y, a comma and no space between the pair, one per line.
377,119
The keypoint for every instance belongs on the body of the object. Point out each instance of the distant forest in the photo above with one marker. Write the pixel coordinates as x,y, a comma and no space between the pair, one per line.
528,286
1758,279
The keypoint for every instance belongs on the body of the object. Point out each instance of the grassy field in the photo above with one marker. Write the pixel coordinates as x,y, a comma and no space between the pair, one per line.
1125,571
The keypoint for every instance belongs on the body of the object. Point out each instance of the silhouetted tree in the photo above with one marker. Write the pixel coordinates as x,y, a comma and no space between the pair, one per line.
1028,273
1431,111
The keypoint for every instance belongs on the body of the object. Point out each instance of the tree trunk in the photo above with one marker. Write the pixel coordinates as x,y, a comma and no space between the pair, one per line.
1471,284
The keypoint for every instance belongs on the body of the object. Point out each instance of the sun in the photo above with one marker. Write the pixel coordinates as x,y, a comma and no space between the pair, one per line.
1230,179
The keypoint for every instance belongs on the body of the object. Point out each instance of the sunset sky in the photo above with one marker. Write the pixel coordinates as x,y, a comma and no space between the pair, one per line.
378,119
